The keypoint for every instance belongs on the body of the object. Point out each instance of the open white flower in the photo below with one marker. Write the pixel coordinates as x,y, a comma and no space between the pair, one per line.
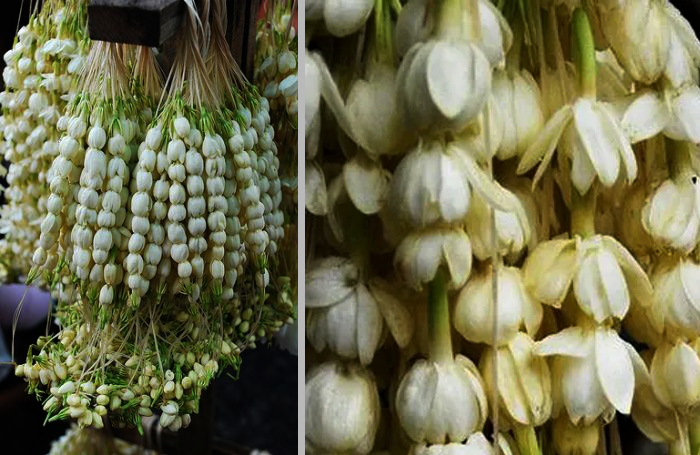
421,253
590,134
604,274
473,314
441,402
342,408
523,385
416,22
592,373
348,316
514,229
443,85
433,185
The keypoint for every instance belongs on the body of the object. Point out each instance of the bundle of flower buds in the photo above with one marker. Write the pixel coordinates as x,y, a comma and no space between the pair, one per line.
503,226
276,78
40,73
162,226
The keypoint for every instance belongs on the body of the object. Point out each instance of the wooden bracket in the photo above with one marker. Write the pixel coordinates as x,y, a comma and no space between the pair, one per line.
141,22
153,22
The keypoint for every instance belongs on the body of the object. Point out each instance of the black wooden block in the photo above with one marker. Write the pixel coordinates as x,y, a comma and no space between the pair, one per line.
141,22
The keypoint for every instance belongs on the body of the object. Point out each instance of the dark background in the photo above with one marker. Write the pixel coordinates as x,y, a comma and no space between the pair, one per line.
257,411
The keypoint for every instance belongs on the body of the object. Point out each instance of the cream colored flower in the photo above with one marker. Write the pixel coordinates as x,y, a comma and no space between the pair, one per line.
473,314
342,408
523,385
433,184
517,96
592,138
604,274
684,49
443,85
672,214
441,402
592,371
371,104
514,229
419,255
676,306
348,316
642,51
655,420
416,23
675,376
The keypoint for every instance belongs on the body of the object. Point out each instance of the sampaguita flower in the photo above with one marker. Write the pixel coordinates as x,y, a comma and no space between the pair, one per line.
676,308
517,96
642,51
655,420
415,23
514,229
342,409
592,373
441,402
675,376
434,183
605,275
421,253
672,214
523,386
473,314
590,134
348,316
443,85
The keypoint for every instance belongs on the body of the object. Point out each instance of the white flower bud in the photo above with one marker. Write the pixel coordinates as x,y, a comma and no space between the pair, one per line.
441,402
182,127
349,390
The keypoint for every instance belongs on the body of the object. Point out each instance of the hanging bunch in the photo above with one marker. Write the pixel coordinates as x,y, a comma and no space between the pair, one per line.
524,173
40,75
167,221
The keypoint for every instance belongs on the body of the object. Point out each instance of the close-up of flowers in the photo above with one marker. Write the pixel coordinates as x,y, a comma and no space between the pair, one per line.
502,227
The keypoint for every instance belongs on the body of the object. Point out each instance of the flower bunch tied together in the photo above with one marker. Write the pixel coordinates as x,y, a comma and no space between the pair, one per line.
502,226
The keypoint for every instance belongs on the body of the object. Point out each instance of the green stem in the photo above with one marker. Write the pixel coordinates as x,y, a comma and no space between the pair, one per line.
383,40
583,212
449,17
583,51
694,435
439,331
682,445
526,439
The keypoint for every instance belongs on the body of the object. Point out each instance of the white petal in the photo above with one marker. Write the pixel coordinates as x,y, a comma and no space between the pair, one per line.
685,121
637,280
545,144
572,342
396,316
555,260
582,393
369,325
487,187
315,189
366,183
329,281
619,141
646,117
615,370
596,142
